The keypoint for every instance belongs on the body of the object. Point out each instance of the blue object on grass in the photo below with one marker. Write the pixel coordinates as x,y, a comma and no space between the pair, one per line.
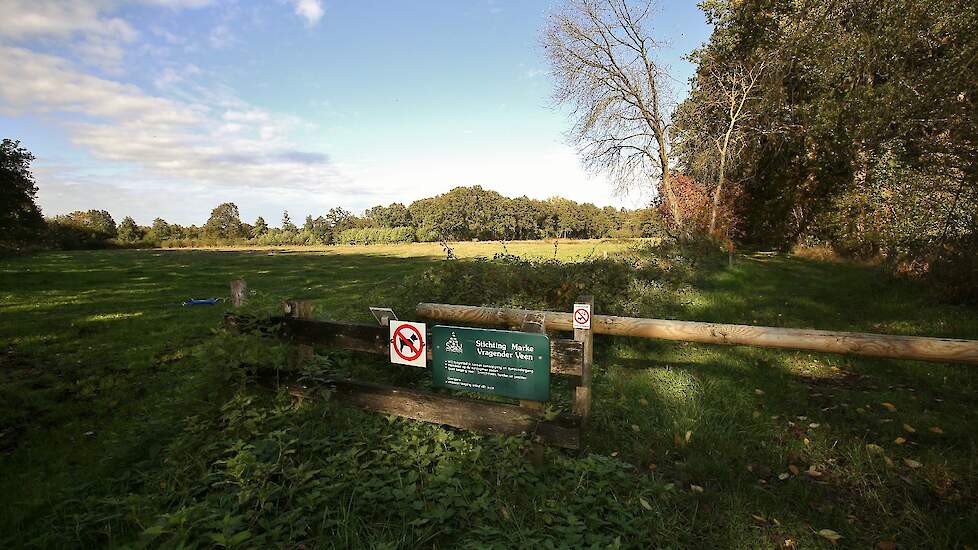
200,302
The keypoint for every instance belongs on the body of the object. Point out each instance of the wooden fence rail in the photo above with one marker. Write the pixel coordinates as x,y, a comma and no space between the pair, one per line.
855,343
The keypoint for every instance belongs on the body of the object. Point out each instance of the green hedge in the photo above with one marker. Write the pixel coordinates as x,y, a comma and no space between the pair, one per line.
376,235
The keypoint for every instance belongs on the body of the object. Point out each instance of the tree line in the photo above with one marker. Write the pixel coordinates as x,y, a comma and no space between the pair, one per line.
464,213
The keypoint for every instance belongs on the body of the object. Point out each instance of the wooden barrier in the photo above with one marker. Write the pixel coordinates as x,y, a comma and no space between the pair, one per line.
566,360
856,343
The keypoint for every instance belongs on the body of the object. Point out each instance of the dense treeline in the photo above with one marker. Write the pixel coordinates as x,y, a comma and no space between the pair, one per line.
464,213
857,129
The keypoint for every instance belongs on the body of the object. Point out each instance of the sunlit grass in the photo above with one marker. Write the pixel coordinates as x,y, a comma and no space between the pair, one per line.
102,369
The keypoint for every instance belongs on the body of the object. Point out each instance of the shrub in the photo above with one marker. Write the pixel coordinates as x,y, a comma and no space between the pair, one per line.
376,235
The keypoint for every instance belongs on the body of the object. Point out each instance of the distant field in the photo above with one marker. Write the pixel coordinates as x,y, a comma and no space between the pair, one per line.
565,249
126,418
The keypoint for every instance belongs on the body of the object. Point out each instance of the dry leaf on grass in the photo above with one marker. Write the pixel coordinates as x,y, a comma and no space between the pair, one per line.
793,469
912,463
874,449
784,476
909,429
645,504
759,391
900,441
889,406
696,488
829,535
936,430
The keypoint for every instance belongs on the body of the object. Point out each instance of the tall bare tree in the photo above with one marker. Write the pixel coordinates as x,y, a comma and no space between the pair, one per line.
733,89
602,58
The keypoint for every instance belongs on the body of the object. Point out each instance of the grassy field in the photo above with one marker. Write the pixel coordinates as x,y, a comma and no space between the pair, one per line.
128,419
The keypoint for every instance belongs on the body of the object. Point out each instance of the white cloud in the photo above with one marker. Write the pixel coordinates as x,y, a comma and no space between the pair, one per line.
214,140
61,19
310,10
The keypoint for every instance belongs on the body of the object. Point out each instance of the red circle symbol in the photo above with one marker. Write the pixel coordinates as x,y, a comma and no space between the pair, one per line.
413,342
582,316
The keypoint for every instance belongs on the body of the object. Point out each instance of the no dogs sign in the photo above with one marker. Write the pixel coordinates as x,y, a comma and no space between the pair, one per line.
408,345
582,316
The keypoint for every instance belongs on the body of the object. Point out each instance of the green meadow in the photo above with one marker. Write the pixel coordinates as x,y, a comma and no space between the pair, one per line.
127,419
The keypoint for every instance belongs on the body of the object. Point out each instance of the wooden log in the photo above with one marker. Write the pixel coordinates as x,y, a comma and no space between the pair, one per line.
239,292
469,414
920,348
582,394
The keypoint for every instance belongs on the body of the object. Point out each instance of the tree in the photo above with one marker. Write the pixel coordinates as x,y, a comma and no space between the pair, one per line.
224,222
601,57
128,231
20,217
161,230
260,227
287,224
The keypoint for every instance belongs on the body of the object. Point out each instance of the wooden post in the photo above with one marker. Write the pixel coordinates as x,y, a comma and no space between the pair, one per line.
582,394
299,309
239,292
533,323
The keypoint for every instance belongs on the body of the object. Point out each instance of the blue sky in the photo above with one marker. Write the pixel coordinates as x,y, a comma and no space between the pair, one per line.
169,107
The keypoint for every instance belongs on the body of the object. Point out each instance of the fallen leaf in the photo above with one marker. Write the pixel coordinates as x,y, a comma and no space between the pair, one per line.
807,441
643,402
784,476
790,543
886,545
829,535
696,488
614,453
912,463
899,441
761,519
909,429
793,469
635,428
813,472
888,461
813,425
759,391
889,406
645,504
874,449
936,430
653,466
689,435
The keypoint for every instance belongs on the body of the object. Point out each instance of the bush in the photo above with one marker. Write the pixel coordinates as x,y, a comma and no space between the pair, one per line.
376,235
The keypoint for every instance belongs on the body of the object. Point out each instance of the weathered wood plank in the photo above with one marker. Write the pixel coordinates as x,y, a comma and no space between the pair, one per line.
855,343
469,414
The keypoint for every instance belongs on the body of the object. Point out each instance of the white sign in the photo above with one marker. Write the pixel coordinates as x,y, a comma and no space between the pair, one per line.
582,316
408,344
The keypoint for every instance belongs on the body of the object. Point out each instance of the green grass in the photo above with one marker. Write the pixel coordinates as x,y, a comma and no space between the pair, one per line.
123,420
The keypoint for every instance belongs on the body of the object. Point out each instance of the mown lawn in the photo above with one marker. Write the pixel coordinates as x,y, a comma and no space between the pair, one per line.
127,419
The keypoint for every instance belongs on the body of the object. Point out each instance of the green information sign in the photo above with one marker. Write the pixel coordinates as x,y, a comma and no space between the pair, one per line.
498,362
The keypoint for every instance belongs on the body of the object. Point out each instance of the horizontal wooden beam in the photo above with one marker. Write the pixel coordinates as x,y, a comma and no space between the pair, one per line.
566,356
856,343
469,414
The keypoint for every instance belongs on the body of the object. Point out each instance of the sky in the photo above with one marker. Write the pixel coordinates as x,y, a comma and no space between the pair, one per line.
167,108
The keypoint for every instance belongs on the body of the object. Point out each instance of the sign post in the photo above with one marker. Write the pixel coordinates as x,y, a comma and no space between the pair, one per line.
496,362
407,343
